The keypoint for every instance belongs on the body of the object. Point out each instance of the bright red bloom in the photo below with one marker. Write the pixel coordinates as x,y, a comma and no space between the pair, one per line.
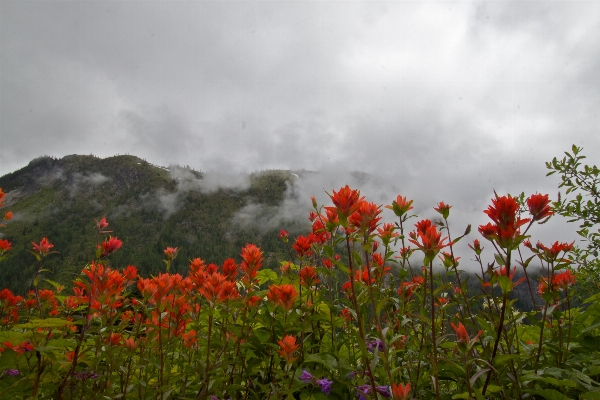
504,213
287,347
564,279
346,314
431,240
283,234
110,246
130,273
366,217
283,295
253,301
462,336
400,206
230,269
252,259
550,254
217,289
302,246
400,392
443,209
308,276
101,225
386,233
539,206
5,245
43,248
171,252
346,202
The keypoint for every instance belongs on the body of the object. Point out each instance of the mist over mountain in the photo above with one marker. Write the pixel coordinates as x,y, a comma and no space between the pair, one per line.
206,214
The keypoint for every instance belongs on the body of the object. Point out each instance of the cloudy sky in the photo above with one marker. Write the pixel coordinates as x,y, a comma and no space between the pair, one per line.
441,100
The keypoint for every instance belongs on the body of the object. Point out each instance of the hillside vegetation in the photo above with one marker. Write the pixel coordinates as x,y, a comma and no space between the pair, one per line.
150,207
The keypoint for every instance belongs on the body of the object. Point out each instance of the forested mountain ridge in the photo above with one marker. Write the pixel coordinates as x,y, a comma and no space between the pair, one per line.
148,207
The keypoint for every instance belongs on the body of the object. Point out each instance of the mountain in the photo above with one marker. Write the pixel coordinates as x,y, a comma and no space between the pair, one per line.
148,207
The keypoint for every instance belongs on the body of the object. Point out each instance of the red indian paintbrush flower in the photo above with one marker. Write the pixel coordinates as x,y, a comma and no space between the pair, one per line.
8,215
43,248
101,225
443,209
346,202
539,206
400,392
5,245
283,295
366,217
302,246
386,233
110,246
171,252
504,213
431,240
564,280
252,259
308,276
400,206
287,348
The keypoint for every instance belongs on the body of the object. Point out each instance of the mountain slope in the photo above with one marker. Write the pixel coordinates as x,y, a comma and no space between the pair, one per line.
148,207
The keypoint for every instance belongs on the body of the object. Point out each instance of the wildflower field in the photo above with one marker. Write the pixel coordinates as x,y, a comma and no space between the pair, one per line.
349,315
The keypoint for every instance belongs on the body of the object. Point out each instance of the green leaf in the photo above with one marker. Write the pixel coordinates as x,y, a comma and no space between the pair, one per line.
324,359
43,323
266,275
550,394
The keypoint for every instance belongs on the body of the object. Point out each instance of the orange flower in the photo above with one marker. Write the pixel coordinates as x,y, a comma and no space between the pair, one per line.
43,248
283,295
443,209
5,245
539,206
8,215
110,246
400,392
346,202
308,276
287,348
431,240
365,218
302,246
252,259
230,269
400,206
564,279
131,345
503,212
462,336
171,252
386,233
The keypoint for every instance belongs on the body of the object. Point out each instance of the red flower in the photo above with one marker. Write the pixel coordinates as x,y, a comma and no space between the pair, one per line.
400,206
476,247
230,269
217,289
101,225
110,246
287,347
539,206
43,248
462,336
551,254
346,314
308,276
386,233
283,295
503,212
346,202
252,259
365,218
171,252
302,246
5,245
431,240
283,235
564,279
400,392
8,215
443,209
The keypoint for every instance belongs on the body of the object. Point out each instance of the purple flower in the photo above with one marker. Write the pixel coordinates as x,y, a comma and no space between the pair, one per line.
363,391
383,390
11,372
325,385
352,375
375,344
306,377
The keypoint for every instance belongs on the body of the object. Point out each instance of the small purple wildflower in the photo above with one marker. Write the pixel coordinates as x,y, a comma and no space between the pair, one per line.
306,377
384,391
11,372
325,385
352,375
375,344
363,391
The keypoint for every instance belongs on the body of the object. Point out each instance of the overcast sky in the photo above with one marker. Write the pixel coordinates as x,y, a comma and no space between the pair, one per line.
442,100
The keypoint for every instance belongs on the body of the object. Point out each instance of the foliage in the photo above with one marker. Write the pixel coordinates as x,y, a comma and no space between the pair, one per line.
581,204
